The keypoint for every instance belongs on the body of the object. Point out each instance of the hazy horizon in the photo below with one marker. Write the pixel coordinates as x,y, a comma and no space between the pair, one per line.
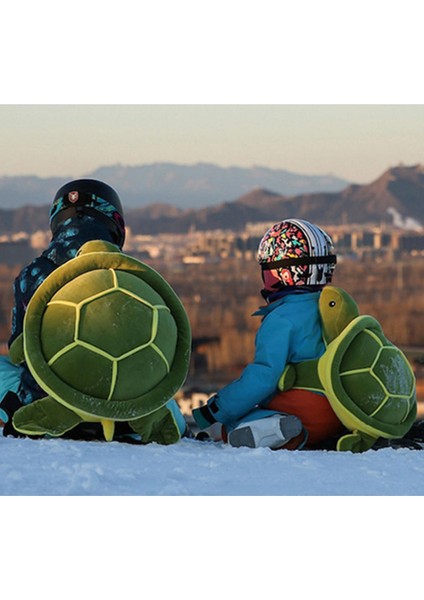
352,142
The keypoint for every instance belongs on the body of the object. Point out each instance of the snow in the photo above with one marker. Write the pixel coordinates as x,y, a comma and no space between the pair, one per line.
203,520
59,467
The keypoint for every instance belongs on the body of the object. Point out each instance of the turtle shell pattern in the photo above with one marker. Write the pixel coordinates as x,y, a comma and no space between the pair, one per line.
369,381
106,335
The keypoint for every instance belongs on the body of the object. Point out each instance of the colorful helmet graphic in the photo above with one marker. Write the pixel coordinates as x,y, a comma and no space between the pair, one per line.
295,252
90,197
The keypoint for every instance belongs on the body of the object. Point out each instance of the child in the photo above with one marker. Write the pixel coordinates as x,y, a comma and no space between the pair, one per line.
297,261
82,210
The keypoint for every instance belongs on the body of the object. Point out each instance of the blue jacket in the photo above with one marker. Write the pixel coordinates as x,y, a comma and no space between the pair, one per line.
290,333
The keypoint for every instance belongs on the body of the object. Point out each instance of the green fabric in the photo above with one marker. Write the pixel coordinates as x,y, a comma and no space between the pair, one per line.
16,350
380,395
49,417
287,379
301,375
114,325
45,416
355,442
106,335
159,427
97,246
337,309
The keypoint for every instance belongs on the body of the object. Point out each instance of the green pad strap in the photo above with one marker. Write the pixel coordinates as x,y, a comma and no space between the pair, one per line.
159,427
16,350
355,442
287,379
301,375
45,416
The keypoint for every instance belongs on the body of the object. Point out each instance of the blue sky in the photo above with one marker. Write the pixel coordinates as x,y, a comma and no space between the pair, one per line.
356,142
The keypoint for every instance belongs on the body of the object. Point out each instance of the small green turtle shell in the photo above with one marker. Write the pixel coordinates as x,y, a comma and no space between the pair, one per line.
369,381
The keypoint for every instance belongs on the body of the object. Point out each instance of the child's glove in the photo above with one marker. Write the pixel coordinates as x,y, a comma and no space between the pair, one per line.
10,431
204,416
8,406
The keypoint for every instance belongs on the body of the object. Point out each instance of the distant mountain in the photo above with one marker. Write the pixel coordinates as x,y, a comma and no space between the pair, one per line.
184,186
28,190
202,184
397,196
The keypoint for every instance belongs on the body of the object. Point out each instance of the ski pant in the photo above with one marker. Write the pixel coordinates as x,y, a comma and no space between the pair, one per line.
319,421
10,377
10,380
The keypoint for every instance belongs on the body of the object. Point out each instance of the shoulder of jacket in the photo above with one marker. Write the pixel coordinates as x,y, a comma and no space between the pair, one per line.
277,318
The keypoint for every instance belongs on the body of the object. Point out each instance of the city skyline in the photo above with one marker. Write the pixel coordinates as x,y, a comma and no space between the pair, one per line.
355,142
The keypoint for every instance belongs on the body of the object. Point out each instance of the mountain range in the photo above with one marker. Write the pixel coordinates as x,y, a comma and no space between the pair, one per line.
184,186
396,196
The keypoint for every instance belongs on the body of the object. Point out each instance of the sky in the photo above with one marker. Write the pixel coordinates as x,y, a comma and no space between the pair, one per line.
309,87
354,142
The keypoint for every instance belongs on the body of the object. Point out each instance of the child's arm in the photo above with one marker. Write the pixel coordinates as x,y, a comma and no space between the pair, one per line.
28,280
18,313
259,379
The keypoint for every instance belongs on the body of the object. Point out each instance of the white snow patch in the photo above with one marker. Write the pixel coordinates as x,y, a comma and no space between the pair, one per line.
243,544
190,468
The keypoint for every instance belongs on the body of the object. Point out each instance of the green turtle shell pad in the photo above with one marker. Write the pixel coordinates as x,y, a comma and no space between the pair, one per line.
368,381
106,336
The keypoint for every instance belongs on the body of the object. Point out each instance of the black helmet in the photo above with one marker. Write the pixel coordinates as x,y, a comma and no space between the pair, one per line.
89,197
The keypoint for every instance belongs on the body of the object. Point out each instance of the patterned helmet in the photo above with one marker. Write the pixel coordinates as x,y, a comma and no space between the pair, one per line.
296,253
89,197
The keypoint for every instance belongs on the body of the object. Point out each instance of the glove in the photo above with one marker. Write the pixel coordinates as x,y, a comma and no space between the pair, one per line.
204,416
9,430
8,406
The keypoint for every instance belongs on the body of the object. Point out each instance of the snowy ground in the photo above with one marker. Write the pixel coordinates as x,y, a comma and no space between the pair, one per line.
203,520
58,467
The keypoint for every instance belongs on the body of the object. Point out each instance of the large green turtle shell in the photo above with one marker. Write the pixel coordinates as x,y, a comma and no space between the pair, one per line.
369,381
106,336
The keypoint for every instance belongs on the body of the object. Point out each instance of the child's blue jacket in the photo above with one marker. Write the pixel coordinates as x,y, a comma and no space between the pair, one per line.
290,332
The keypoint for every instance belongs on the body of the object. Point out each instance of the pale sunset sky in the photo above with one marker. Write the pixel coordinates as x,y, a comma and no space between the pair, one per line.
309,87
355,142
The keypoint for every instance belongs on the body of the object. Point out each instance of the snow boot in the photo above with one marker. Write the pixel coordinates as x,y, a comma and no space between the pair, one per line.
270,432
